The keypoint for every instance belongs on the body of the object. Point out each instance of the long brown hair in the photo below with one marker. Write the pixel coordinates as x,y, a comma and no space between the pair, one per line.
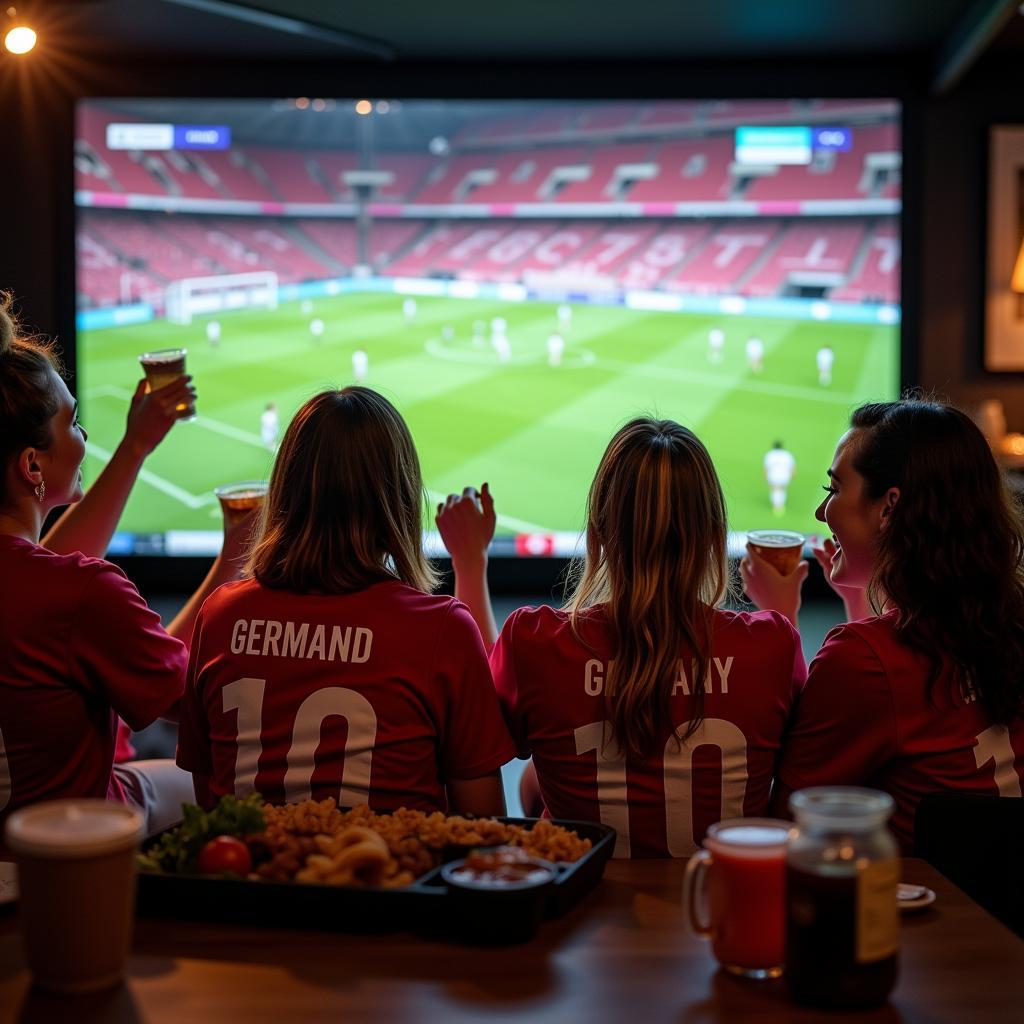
950,558
28,398
656,559
345,504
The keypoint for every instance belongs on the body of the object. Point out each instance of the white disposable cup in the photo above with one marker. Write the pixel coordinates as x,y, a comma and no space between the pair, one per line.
76,874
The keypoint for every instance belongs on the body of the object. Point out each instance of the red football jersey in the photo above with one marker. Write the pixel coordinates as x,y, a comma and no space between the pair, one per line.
865,719
377,697
80,647
552,691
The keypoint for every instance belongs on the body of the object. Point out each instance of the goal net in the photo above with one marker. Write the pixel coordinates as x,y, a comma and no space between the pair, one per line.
198,296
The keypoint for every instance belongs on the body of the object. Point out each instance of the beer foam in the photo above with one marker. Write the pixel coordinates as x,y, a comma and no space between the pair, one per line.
73,828
753,835
164,355
775,538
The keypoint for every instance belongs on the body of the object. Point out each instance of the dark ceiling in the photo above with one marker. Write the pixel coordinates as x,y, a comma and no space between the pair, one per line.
531,30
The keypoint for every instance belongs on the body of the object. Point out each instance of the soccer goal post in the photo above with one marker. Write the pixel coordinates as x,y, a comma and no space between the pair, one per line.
196,296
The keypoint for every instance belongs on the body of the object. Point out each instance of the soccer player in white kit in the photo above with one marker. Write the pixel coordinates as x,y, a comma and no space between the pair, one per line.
213,333
360,364
409,310
825,358
565,317
316,328
499,339
556,346
755,354
716,342
779,470
269,426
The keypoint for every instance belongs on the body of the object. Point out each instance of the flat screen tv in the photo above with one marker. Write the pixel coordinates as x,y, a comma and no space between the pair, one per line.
520,278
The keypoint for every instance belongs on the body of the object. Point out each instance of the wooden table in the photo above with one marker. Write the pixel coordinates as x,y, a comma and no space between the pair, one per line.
624,955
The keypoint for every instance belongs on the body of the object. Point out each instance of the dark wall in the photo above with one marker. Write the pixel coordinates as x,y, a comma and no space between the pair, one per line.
954,188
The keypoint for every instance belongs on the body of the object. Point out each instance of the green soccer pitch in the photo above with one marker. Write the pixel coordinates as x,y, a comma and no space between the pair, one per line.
534,431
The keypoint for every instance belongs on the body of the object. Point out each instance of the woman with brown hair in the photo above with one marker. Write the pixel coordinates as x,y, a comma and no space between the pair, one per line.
922,690
332,670
78,645
644,704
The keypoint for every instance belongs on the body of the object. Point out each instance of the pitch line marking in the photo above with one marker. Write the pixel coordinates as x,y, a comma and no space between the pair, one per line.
179,494
217,426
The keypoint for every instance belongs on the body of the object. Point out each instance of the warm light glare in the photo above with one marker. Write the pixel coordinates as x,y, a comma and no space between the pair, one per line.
1017,281
364,107
20,39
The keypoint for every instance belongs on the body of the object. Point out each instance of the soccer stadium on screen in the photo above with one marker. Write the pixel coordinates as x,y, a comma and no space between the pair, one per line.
518,278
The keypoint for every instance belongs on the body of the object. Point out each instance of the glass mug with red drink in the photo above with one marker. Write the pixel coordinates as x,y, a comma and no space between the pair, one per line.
739,879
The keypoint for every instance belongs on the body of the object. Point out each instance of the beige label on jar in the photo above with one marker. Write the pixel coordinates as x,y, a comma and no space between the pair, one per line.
878,919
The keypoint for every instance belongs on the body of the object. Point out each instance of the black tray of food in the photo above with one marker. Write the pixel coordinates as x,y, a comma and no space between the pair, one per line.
425,906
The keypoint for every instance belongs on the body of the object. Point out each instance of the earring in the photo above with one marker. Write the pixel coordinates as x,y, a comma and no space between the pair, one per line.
41,490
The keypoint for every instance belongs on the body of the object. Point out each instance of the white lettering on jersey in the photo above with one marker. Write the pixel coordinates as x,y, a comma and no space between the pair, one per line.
270,638
246,697
362,734
594,674
611,780
678,767
994,745
613,798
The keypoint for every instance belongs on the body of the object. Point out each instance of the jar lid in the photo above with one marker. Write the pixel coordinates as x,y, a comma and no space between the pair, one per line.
69,829
854,808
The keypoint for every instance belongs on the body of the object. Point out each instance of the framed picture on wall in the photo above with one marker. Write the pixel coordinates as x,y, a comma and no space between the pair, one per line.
1004,269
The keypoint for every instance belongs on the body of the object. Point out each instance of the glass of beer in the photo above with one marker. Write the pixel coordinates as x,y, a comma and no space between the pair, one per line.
782,549
239,499
739,880
164,367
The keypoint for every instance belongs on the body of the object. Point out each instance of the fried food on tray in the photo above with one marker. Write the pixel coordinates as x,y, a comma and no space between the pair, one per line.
314,841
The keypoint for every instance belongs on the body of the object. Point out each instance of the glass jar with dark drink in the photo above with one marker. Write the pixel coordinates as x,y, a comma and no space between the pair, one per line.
842,920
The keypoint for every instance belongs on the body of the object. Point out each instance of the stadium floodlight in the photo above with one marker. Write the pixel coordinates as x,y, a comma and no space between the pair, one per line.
20,40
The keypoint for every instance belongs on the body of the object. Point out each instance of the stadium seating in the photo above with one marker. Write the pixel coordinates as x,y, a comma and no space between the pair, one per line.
424,256
603,162
275,248
290,175
730,251
671,248
238,180
695,170
816,252
611,249
877,277
846,177
141,244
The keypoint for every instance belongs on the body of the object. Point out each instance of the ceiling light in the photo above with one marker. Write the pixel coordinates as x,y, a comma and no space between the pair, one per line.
364,107
20,39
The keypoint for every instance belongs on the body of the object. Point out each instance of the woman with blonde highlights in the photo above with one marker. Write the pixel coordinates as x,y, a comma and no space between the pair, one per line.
644,704
332,671
922,690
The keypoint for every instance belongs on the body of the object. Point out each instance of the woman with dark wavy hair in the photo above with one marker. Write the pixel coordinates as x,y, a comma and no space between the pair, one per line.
923,691
644,704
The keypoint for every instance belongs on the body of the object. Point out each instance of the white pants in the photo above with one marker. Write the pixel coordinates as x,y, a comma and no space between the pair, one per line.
157,788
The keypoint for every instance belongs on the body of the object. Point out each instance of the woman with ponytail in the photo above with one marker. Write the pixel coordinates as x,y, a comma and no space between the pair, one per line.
644,704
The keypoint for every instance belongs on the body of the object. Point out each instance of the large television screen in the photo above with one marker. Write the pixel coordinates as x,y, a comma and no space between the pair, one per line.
520,278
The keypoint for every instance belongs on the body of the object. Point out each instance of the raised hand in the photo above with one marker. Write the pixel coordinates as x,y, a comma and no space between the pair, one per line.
768,589
466,522
153,413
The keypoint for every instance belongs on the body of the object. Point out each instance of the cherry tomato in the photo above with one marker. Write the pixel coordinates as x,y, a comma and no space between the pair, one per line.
225,854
